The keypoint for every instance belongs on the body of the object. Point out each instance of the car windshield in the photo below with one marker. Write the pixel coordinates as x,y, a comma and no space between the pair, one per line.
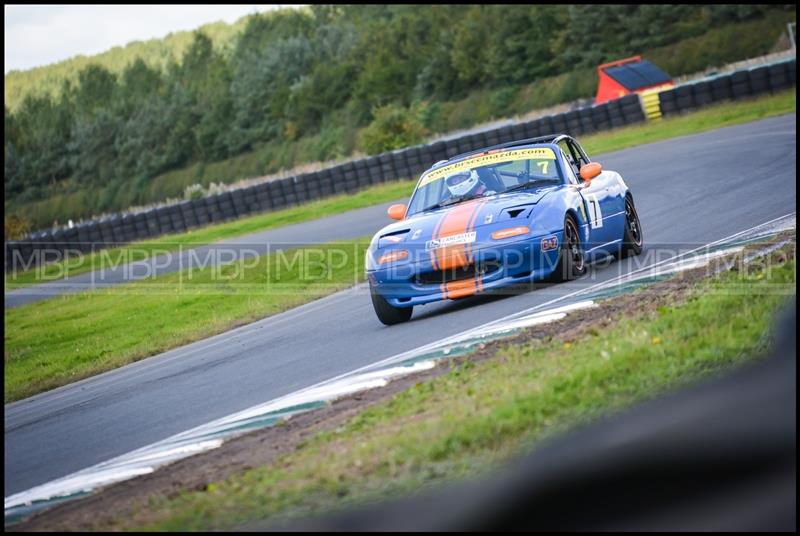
486,174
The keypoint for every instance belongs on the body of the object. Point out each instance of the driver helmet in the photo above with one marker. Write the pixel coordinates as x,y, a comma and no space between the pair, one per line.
463,182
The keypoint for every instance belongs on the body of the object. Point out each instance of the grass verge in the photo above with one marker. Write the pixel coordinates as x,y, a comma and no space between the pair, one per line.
138,251
717,116
481,412
58,341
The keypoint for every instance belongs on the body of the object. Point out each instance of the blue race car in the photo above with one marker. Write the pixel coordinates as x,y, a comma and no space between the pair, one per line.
508,214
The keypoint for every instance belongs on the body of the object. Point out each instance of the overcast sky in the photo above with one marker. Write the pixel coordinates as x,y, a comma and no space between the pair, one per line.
38,35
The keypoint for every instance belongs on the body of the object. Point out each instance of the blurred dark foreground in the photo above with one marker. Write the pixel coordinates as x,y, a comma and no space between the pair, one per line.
717,456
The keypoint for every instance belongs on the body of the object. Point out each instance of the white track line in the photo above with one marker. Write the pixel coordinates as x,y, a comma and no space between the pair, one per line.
146,459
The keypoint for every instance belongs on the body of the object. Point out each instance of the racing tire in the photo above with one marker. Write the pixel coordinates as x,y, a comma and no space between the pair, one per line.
571,263
633,238
388,314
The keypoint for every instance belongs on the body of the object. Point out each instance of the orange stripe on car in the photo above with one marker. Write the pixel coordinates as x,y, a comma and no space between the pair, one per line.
470,258
454,223
433,237
471,226
459,289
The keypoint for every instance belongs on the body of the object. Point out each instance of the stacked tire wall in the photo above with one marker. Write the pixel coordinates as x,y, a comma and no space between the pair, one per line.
737,85
349,177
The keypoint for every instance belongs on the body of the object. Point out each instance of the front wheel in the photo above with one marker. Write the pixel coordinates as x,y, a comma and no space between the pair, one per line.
388,314
632,241
571,263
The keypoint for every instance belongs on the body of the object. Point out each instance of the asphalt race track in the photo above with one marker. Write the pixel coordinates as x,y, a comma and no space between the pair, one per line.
689,190
361,222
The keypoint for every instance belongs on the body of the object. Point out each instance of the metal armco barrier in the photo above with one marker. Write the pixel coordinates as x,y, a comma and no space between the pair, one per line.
395,165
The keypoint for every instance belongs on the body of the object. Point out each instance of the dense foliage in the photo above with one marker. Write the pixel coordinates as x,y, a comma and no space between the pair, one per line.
106,138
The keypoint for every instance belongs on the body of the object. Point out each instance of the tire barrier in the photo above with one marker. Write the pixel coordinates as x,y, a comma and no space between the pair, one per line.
684,100
740,85
615,114
461,145
261,194
311,181
104,233
600,118
702,93
362,174
128,230
140,224
730,86
505,134
632,111
298,189
164,221
187,211
492,138
438,150
176,219
517,132
573,121
720,89
211,208
349,173
374,170
337,175
326,179
83,239
239,202
587,125
400,164
475,141
560,123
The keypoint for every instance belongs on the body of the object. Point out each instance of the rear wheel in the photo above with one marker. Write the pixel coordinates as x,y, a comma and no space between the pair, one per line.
388,314
571,263
633,239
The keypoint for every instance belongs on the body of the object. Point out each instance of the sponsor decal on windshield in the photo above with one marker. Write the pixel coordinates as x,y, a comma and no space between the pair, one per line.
488,159
438,243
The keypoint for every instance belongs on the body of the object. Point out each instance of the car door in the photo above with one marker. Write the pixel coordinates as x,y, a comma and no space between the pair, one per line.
601,204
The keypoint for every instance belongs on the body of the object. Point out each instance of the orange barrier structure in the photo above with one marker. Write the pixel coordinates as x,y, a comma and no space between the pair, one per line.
626,76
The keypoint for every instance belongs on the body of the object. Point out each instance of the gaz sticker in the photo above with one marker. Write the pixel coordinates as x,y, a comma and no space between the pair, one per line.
549,242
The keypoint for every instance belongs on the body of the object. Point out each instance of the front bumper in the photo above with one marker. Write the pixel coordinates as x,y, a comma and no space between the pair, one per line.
494,265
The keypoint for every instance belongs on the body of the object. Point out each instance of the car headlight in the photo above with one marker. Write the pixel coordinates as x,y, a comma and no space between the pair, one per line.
511,231
393,256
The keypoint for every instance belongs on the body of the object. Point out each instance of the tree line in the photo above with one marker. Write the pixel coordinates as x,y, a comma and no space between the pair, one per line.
291,72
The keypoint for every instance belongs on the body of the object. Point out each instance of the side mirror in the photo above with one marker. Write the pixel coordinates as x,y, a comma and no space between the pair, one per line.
590,171
397,212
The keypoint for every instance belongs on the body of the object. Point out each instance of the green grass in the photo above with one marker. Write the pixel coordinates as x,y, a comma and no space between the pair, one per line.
138,251
717,116
336,136
58,341
98,331
477,415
